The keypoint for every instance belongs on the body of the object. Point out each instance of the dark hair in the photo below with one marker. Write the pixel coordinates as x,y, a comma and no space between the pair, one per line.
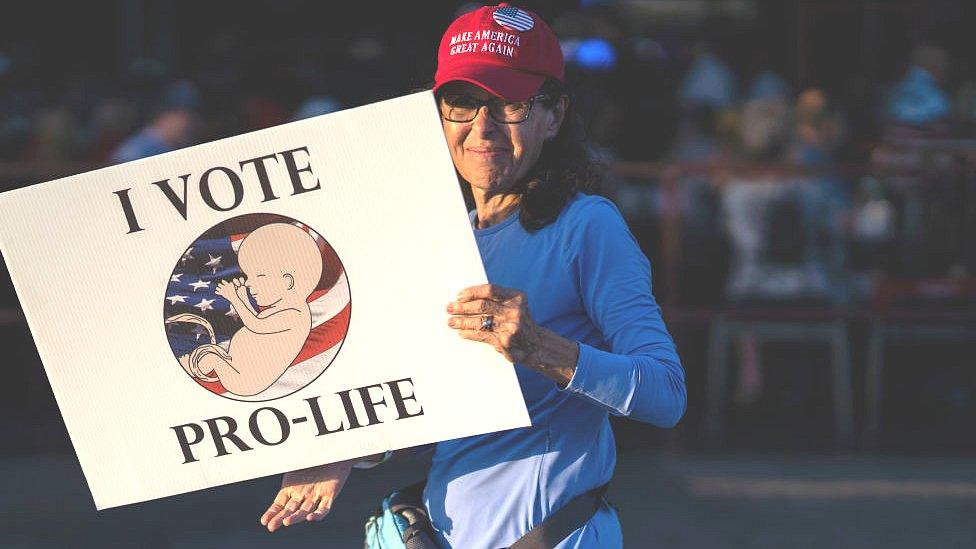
564,167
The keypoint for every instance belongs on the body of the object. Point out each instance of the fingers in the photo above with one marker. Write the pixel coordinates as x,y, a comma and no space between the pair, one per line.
271,512
320,511
295,511
283,514
475,307
298,516
279,503
306,494
310,504
487,291
472,323
227,289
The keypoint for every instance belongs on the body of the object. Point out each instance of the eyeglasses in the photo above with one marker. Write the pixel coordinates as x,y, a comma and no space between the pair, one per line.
464,108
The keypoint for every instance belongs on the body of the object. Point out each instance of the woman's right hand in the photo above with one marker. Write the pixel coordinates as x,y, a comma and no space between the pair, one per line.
307,494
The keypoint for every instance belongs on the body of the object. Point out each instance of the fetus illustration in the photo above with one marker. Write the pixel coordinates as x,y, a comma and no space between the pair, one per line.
281,266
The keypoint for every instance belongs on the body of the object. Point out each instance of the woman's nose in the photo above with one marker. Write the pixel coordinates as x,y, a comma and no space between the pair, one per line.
483,122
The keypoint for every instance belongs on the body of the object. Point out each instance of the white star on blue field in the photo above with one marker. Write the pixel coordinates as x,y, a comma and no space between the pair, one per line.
191,290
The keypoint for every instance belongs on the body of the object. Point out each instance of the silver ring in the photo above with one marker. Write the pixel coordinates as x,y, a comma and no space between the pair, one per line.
487,323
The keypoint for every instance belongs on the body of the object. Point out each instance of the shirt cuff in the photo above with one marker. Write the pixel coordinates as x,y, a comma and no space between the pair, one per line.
603,377
578,381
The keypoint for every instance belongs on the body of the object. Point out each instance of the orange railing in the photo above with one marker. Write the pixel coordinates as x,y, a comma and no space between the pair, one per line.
668,177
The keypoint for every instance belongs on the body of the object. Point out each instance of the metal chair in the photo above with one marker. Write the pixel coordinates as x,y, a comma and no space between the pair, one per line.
912,310
830,328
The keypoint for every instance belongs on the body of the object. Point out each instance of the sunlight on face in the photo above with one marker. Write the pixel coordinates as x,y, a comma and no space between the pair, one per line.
493,157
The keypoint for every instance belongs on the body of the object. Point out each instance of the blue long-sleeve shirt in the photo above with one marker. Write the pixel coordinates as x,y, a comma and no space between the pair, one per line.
586,279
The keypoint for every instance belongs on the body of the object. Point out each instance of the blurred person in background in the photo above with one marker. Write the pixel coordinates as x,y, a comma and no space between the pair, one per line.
170,127
763,133
923,183
785,225
817,131
698,138
917,105
709,81
594,343
765,118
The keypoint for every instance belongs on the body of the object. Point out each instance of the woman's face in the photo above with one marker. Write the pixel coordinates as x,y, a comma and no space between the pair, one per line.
491,156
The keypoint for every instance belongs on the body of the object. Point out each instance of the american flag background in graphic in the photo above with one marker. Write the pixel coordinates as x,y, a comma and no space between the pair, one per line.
513,19
212,258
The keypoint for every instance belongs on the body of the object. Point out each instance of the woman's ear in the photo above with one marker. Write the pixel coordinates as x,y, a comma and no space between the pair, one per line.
291,280
558,114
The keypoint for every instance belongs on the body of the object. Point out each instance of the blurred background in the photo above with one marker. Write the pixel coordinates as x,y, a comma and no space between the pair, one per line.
801,173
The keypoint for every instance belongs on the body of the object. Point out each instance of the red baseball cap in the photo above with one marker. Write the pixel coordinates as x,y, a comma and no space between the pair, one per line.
506,50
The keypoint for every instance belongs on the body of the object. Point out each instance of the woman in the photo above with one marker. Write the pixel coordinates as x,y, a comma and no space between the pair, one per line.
569,301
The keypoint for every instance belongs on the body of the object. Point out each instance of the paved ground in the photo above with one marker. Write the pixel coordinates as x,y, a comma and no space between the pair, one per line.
680,501
783,497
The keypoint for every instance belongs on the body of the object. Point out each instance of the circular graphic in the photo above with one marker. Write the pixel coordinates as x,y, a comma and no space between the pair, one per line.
257,307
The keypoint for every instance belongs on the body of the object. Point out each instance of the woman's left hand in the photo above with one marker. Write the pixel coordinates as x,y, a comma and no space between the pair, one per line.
513,333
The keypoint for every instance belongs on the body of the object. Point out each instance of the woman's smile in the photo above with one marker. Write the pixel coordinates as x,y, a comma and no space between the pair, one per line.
487,152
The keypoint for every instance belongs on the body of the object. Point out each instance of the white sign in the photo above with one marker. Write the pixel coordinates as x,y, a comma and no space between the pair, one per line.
258,304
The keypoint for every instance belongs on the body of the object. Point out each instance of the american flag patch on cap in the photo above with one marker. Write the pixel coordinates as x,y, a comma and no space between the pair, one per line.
513,18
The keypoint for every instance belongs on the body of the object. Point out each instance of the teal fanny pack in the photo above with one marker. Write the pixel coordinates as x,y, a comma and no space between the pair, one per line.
402,522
